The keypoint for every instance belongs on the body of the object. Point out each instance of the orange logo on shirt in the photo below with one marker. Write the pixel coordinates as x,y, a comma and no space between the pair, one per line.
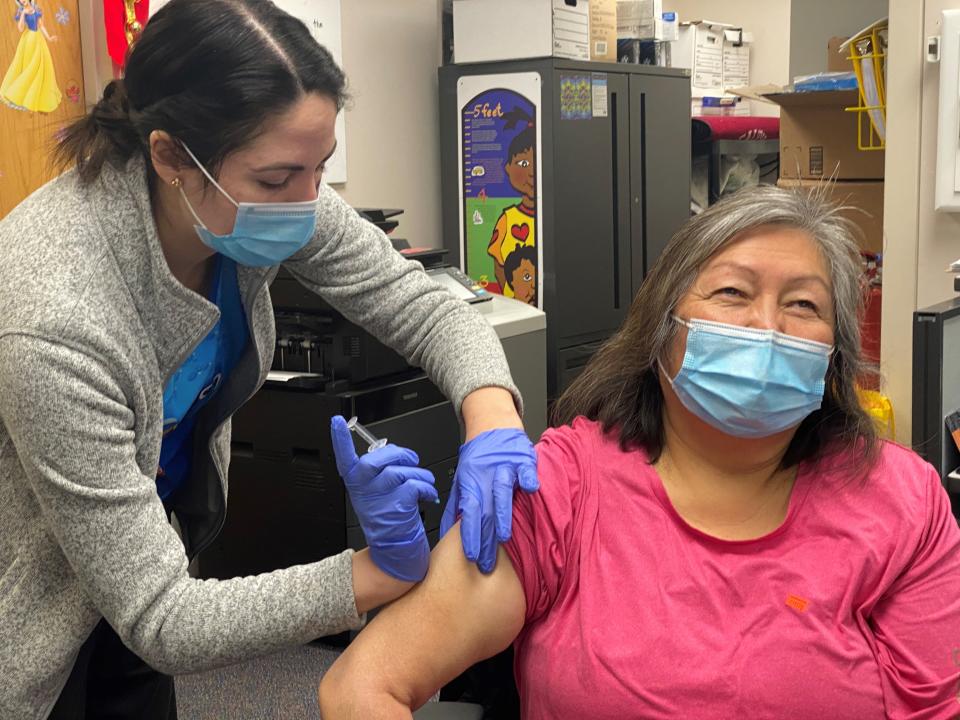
797,603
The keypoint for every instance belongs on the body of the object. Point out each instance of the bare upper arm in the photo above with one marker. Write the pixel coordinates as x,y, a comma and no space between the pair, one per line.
454,618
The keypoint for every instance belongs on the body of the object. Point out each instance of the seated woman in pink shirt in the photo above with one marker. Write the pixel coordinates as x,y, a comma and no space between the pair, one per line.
718,532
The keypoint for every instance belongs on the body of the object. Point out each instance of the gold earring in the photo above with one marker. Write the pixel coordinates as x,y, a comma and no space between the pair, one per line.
176,182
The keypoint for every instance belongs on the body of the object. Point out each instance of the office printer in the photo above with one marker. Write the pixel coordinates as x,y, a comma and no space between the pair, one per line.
287,504
316,344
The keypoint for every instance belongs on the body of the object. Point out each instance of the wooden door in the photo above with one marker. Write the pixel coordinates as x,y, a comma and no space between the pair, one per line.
41,90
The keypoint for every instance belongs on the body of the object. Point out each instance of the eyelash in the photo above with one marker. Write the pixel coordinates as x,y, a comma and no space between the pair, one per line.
275,186
282,185
730,291
734,292
807,305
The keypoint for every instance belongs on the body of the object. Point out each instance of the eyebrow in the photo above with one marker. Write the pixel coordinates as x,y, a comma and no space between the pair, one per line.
747,270
293,167
730,265
804,279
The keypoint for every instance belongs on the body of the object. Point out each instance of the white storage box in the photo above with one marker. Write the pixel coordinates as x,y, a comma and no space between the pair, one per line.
717,55
485,30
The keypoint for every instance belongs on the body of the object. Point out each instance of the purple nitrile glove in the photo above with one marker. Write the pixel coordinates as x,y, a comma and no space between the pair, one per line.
385,488
491,465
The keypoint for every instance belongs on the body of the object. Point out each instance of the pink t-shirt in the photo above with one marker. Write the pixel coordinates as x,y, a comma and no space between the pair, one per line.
850,609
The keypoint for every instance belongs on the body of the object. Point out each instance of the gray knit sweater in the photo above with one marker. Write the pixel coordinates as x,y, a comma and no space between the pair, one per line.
92,323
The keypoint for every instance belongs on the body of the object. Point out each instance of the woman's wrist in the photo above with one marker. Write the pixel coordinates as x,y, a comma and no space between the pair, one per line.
489,408
372,587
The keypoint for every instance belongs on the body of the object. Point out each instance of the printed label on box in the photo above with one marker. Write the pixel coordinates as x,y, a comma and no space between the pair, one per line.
736,66
708,61
571,30
816,160
603,29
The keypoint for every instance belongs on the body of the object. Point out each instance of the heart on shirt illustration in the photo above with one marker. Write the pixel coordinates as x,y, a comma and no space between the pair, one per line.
520,232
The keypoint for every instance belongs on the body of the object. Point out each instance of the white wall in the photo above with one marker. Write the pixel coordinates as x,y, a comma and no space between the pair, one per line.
920,242
814,22
901,205
391,51
938,233
768,20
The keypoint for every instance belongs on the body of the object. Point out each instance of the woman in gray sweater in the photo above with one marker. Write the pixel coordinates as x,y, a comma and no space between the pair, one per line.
135,319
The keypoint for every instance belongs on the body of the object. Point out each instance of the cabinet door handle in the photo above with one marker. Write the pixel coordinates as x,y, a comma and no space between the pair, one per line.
615,169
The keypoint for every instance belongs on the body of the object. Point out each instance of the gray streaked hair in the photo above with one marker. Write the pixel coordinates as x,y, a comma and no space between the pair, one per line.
620,387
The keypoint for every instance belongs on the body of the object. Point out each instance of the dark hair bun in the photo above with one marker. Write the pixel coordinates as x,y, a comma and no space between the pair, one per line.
111,115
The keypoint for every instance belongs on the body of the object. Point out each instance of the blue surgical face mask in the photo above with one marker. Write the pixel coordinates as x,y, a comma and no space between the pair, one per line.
749,383
263,233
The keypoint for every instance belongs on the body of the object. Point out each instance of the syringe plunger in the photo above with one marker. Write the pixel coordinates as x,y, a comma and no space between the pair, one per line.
372,441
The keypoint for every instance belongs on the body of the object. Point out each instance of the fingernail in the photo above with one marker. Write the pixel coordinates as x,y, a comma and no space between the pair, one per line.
437,501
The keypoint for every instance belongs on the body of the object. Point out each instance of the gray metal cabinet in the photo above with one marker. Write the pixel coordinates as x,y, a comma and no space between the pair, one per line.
615,185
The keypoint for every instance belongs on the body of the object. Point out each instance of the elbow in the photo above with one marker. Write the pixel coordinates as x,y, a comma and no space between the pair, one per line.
165,662
342,699
327,696
174,658
183,656
335,696
163,665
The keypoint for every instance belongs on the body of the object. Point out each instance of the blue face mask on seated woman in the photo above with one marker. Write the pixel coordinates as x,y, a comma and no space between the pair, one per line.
747,382
263,233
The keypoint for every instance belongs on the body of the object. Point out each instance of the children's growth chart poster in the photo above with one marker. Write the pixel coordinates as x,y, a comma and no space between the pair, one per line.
501,223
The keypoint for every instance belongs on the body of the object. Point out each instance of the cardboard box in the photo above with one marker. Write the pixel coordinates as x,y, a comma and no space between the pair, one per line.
864,203
736,57
603,30
717,55
836,60
818,138
700,50
485,30
640,19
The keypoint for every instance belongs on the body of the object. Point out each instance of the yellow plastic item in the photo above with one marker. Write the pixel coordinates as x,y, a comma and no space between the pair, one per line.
880,409
867,52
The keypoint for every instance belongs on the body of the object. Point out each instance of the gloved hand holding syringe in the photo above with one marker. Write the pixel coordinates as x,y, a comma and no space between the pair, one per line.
386,486
371,439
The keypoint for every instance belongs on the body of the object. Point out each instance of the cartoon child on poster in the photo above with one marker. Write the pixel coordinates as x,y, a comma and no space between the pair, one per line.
30,82
515,227
520,272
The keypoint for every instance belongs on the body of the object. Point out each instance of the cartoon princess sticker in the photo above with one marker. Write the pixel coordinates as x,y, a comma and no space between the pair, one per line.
30,82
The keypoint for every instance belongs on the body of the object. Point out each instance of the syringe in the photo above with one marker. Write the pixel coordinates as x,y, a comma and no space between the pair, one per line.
371,439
